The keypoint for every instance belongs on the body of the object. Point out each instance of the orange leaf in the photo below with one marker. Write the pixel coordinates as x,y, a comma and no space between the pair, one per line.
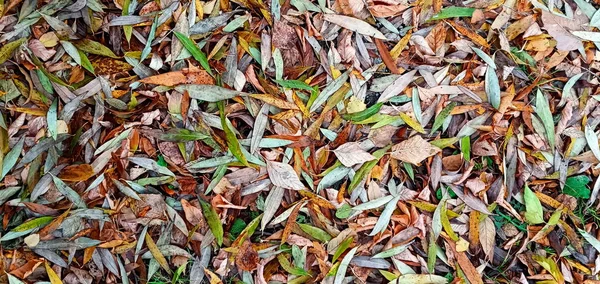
77,172
386,57
469,33
185,76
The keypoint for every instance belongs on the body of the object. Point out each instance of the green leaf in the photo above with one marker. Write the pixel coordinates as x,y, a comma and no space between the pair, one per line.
294,84
152,165
566,92
341,271
315,232
344,211
10,159
52,119
128,30
362,172
287,266
534,213
249,230
391,252
148,48
413,123
94,47
26,228
7,50
364,114
453,12
492,87
577,186
489,60
590,239
543,111
217,176
68,192
342,248
71,50
236,23
278,61
36,61
441,117
45,81
465,147
237,227
182,135
85,62
386,216
409,170
232,141
212,218
195,51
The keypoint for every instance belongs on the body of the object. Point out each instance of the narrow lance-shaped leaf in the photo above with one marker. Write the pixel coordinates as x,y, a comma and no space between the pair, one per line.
385,217
7,50
157,254
542,109
148,48
52,119
212,218
232,141
492,87
11,158
194,50
341,271
534,213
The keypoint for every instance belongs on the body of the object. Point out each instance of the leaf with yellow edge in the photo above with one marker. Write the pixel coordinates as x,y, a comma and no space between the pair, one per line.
160,258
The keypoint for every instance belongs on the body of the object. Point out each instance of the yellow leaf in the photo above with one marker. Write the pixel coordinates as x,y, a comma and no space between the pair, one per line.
32,111
214,279
355,105
160,258
462,245
446,223
275,101
412,122
54,279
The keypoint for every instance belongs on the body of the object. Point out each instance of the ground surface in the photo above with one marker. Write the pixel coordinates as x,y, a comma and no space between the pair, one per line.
299,141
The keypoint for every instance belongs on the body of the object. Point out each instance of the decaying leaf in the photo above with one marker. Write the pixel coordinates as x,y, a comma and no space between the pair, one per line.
413,150
372,141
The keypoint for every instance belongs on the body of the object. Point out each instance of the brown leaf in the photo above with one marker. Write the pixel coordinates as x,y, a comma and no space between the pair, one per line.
386,8
247,258
414,150
437,37
185,76
487,237
465,264
390,63
192,213
74,173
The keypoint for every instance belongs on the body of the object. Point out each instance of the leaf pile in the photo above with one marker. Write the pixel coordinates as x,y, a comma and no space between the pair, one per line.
350,141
